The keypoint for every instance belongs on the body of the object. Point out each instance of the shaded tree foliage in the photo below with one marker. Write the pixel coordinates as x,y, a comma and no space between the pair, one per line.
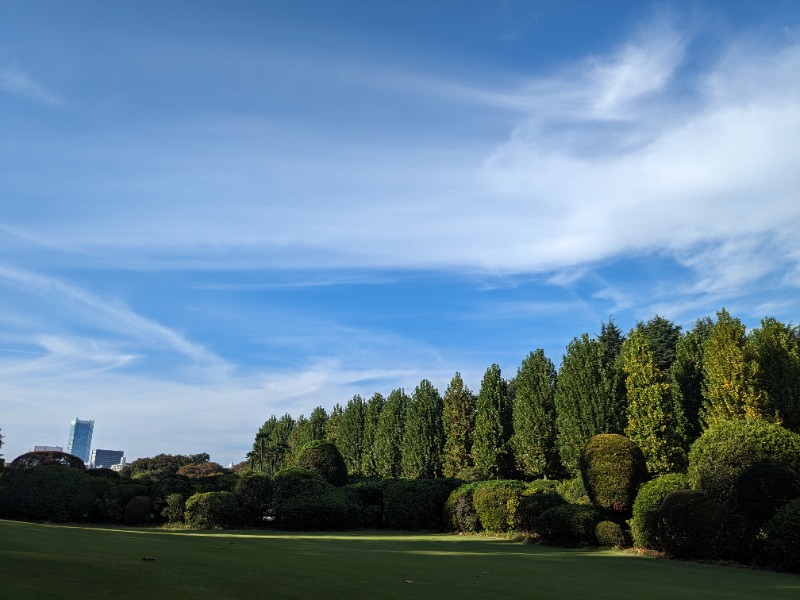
372,413
686,375
534,417
350,436
776,349
663,336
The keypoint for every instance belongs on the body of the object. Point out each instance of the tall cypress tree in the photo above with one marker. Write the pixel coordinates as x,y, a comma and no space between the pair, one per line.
423,437
459,423
534,417
686,376
350,436
372,413
491,449
731,389
585,399
615,411
388,445
655,420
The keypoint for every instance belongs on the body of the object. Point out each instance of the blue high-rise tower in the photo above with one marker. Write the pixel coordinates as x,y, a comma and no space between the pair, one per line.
80,439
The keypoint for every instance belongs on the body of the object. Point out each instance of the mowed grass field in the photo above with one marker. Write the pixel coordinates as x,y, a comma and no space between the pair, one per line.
51,561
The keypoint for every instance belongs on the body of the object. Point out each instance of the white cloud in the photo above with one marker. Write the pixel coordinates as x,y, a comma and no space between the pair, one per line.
18,83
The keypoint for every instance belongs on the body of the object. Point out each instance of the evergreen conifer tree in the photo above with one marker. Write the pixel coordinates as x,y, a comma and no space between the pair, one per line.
423,436
686,376
491,449
459,423
388,445
372,413
776,348
350,435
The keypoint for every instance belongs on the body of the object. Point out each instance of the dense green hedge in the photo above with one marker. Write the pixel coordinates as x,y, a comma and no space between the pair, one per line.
569,525
755,496
368,493
415,503
208,510
138,511
782,538
495,503
644,524
334,508
530,505
54,493
725,450
292,481
689,525
253,491
612,468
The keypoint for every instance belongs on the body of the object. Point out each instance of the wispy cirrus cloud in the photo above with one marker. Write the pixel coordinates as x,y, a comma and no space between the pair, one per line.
19,83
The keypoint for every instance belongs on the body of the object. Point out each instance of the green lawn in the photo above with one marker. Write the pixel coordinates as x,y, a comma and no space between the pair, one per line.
49,561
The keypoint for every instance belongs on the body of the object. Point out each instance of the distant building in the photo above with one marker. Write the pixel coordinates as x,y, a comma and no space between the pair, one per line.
106,459
80,439
48,449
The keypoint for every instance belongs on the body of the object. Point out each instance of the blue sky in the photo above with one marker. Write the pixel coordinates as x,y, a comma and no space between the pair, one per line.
213,212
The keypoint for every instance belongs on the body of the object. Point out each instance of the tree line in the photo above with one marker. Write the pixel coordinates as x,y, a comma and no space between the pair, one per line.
659,386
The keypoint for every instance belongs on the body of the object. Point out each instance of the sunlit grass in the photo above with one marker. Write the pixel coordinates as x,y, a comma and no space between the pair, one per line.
47,561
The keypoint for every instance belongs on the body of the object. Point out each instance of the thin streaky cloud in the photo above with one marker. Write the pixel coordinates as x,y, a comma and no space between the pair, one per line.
14,81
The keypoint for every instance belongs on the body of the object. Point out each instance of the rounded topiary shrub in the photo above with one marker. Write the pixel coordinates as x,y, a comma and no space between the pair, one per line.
292,481
414,503
138,511
530,506
495,503
612,468
782,538
756,494
689,525
568,525
209,510
644,524
719,455
324,459
611,534
332,509
253,491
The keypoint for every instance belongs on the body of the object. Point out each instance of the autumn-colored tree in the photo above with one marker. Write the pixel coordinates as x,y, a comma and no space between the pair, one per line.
731,370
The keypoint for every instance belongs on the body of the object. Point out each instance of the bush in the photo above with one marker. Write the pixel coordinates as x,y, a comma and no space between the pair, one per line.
611,534
174,507
368,493
782,538
332,509
612,468
530,506
167,485
569,524
644,525
54,493
459,513
725,450
757,493
689,524
253,491
293,481
324,459
138,510
572,491
495,503
415,503
543,485
112,504
209,510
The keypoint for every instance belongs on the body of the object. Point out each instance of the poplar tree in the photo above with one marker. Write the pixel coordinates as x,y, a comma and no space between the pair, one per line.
387,448
534,417
317,422
655,420
423,436
731,389
491,450
776,348
299,436
372,413
332,425
586,401
459,423
350,434
686,376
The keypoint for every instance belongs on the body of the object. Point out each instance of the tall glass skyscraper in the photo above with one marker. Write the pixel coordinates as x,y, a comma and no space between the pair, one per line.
80,439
